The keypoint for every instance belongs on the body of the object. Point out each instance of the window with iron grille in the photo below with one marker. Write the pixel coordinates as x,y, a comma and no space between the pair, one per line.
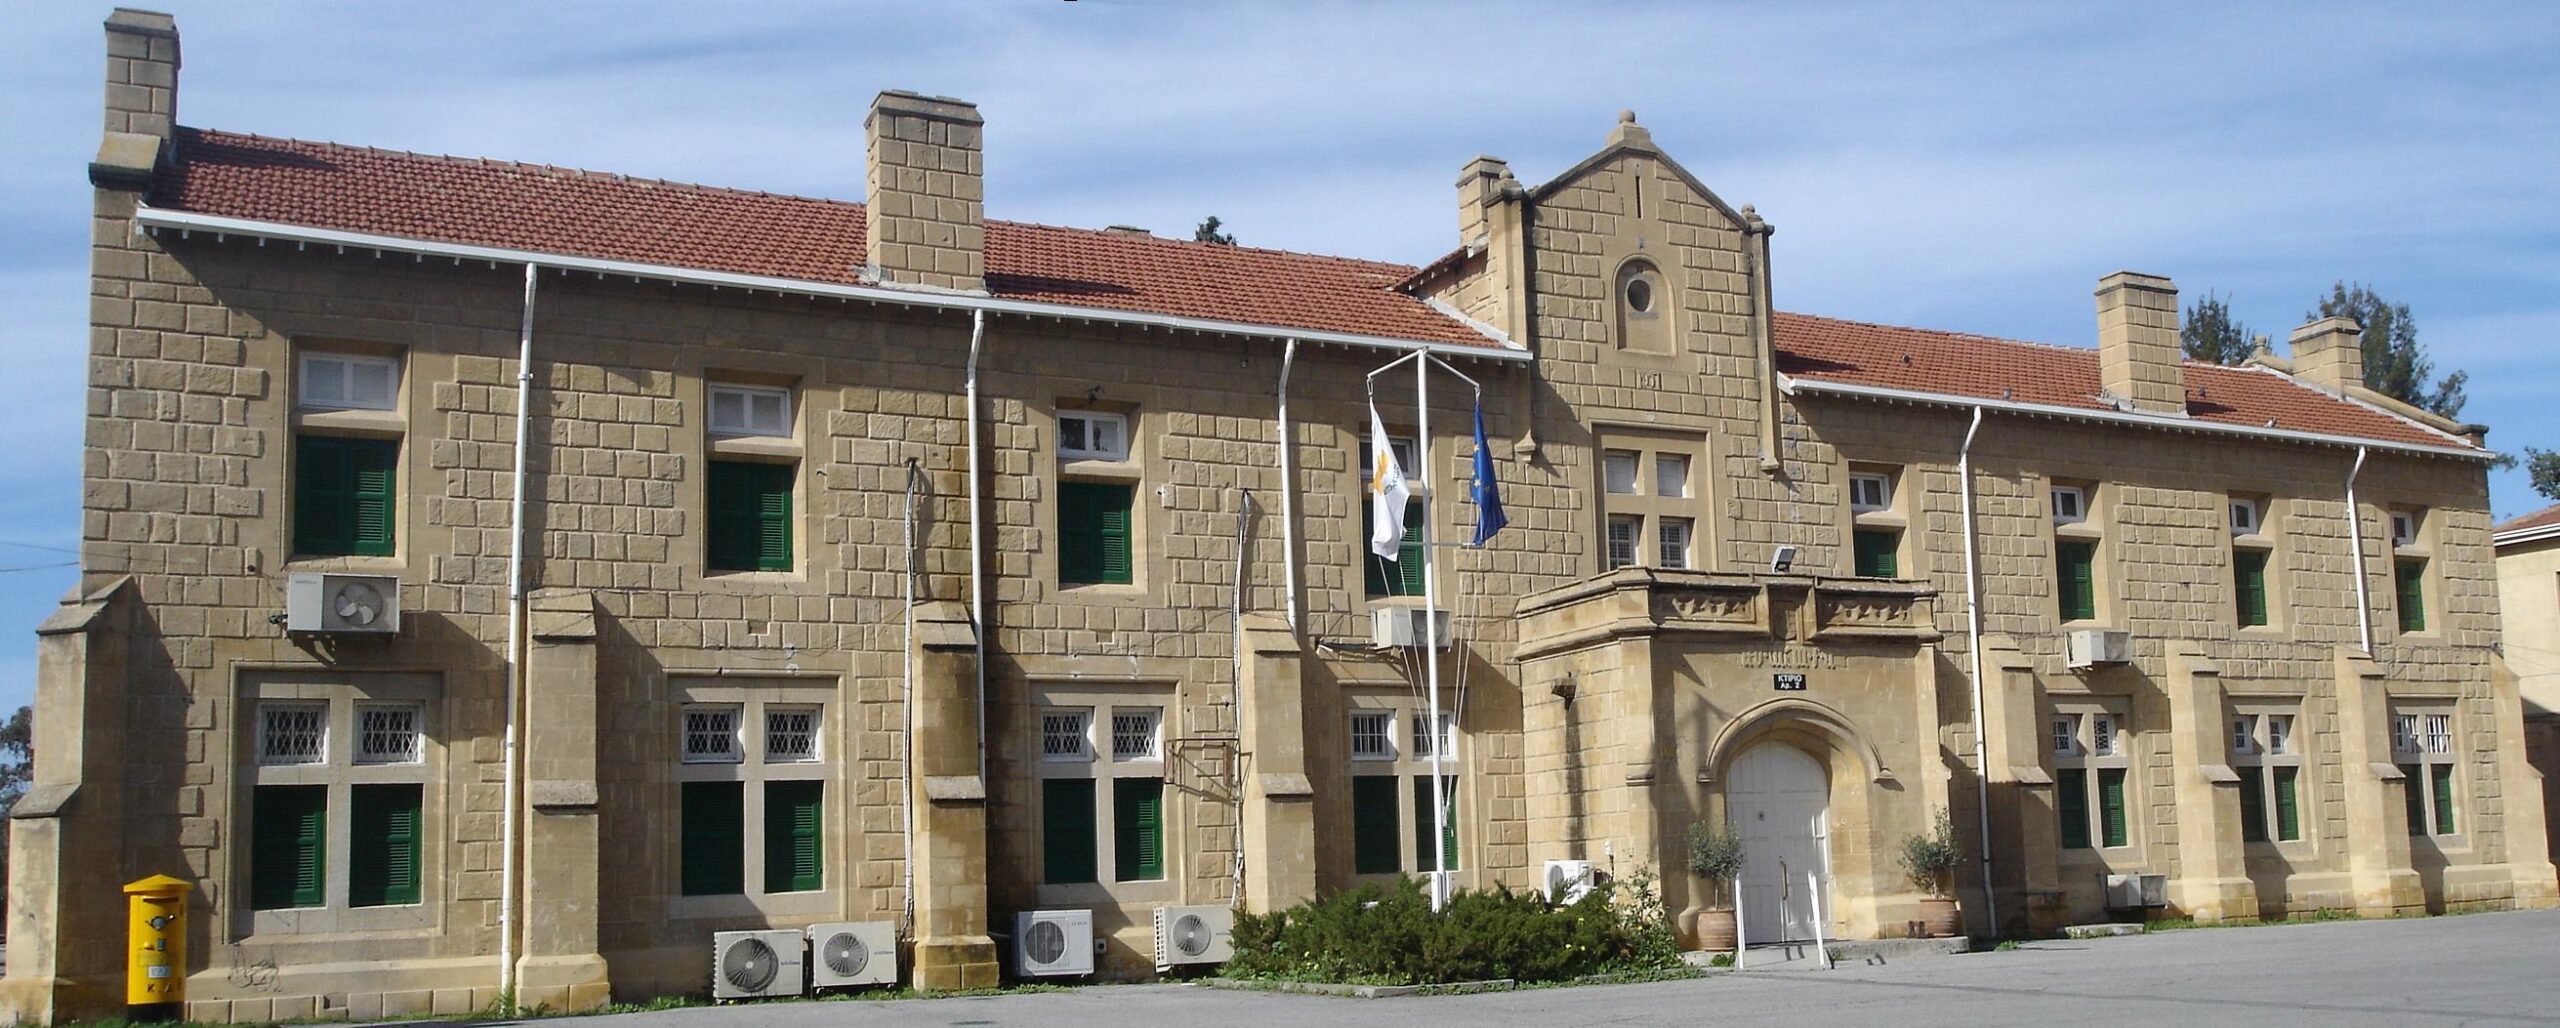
2268,758
387,733
1064,735
1623,529
1373,735
2422,746
1135,734
293,733
2092,781
1675,542
1427,742
790,734
711,734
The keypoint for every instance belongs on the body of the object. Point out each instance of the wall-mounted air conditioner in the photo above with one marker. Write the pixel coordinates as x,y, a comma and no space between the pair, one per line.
748,965
2137,892
1193,935
2095,647
1053,943
1568,881
1403,626
853,953
350,604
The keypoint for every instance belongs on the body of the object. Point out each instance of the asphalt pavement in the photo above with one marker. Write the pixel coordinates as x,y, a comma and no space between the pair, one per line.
2475,969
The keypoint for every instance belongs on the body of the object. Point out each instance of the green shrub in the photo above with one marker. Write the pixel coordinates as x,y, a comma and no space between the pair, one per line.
1928,859
1387,935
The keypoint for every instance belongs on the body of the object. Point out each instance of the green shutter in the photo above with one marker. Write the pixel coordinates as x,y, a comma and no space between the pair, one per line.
1422,849
1373,825
2078,578
2440,777
2253,804
2071,800
2413,790
2288,805
794,821
1093,533
345,495
714,839
382,845
1137,829
747,516
1875,552
1066,830
1402,576
288,846
2111,807
2411,578
2249,568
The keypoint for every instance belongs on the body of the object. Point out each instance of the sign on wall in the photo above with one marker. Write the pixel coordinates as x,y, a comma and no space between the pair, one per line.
1789,683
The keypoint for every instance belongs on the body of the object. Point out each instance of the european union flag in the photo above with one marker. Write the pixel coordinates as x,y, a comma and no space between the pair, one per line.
1488,494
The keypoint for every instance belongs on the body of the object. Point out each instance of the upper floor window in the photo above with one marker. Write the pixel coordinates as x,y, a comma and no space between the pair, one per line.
1093,435
1648,516
2404,528
342,381
1870,492
2246,515
742,410
2070,504
1642,303
748,515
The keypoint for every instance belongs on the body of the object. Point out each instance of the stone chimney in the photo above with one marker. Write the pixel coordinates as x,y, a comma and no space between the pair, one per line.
924,201
2329,354
2138,349
1480,185
142,97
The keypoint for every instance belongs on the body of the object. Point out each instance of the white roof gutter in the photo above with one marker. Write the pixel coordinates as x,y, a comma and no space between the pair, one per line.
189,221
1793,386
2526,535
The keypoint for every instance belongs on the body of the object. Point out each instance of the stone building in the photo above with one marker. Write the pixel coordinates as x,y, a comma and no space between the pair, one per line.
764,560
2528,551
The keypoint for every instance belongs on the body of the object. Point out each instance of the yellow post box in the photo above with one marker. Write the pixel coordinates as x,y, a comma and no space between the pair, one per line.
155,975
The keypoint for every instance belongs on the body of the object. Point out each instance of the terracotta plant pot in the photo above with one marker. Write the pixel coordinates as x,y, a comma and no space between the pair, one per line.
1939,915
1715,931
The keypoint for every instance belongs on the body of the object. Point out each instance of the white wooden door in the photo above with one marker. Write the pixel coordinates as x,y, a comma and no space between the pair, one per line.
1780,802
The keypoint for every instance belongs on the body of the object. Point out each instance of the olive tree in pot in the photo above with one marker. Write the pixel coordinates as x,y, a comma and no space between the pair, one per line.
1715,860
1930,862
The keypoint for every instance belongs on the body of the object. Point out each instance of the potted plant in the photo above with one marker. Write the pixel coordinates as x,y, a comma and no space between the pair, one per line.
1715,859
1930,862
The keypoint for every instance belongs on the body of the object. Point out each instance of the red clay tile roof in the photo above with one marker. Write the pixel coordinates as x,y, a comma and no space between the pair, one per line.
562,211
613,217
1953,363
2547,517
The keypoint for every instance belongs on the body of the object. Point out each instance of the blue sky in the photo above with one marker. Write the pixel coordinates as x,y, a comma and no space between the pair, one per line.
1970,167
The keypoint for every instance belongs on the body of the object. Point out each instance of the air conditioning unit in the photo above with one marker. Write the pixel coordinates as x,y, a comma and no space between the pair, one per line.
1053,943
1403,626
853,953
1193,935
351,604
749,965
2137,892
2093,647
1568,881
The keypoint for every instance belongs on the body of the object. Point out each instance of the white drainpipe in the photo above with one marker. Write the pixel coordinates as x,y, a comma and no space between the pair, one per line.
2355,534
508,803
907,695
1973,645
1288,494
977,539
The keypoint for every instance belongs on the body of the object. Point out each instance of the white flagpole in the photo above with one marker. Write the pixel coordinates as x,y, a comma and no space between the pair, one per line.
1431,636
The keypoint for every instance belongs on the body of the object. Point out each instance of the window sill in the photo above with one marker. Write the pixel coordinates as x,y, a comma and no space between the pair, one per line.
1880,519
1099,592
346,564
379,423
755,447
2264,633
816,903
751,579
1162,890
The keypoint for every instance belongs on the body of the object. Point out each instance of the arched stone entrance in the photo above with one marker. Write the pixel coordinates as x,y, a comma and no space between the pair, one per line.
1779,799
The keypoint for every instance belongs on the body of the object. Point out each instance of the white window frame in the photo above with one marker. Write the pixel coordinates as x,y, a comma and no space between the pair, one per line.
2247,516
754,769
1424,743
2092,738
1082,738
2268,738
2079,504
686,733
814,752
1860,483
749,424
1674,557
2404,528
339,772
361,752
1632,461
1664,485
320,367
1634,541
1150,738
1118,450
1413,764
2430,741
268,710
1385,735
